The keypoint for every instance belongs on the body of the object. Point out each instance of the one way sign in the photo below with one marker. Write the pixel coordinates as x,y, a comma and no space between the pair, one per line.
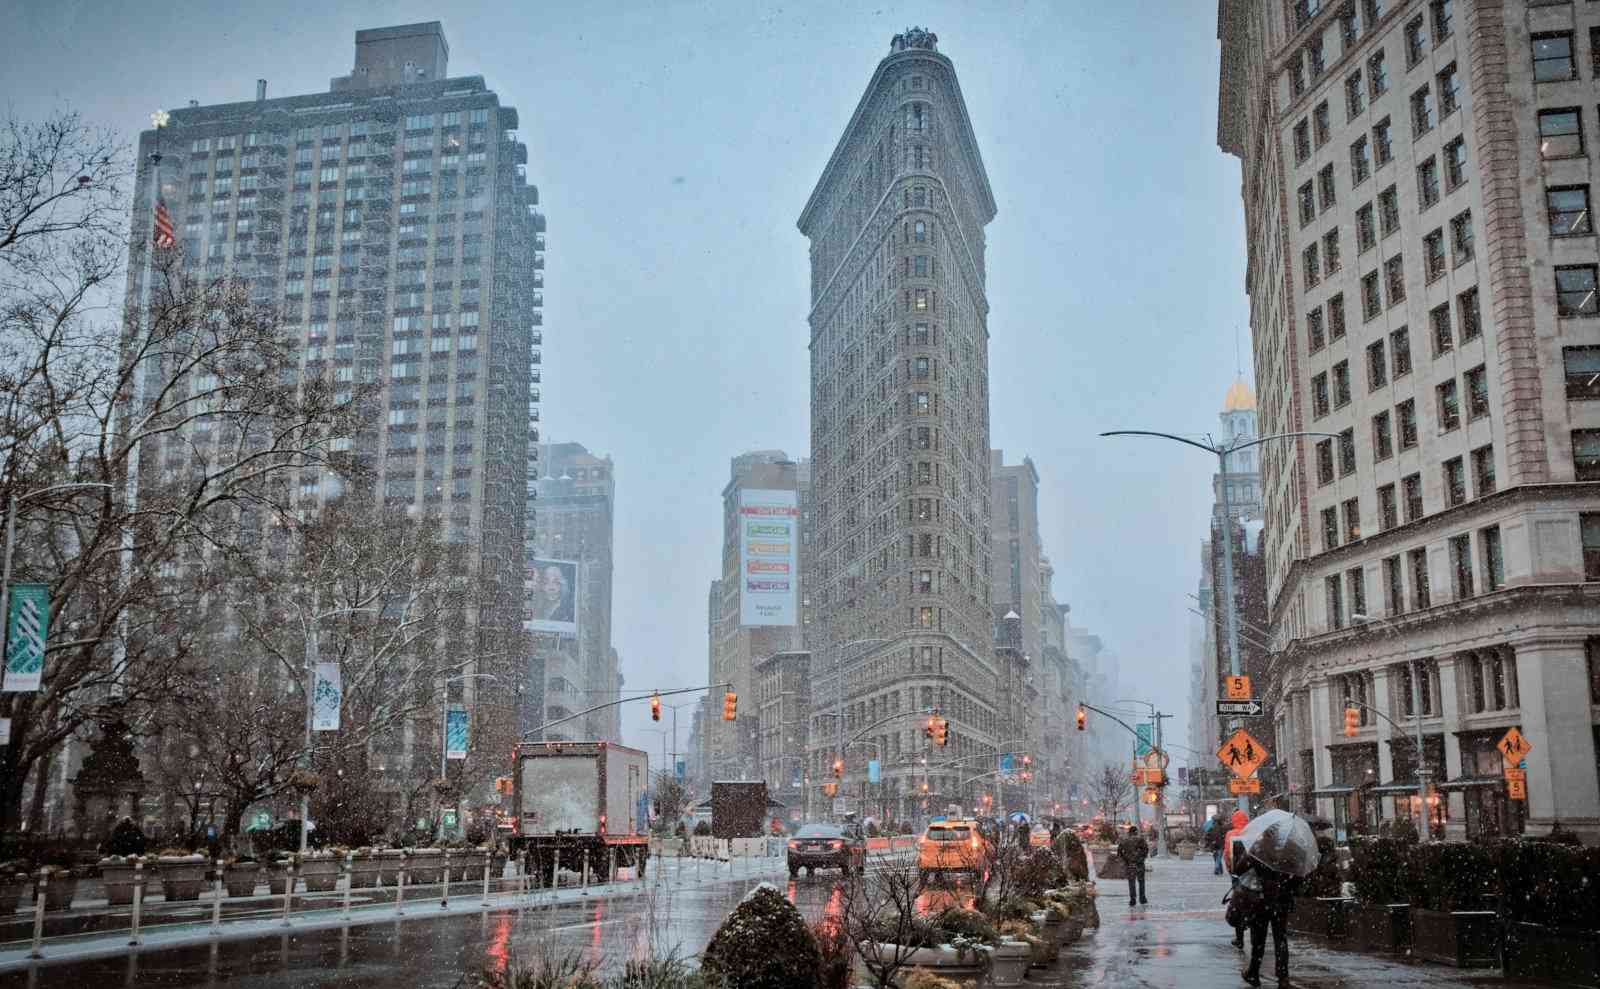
1250,708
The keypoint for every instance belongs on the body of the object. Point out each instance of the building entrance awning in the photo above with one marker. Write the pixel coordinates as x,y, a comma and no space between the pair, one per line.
1469,782
1390,789
1334,790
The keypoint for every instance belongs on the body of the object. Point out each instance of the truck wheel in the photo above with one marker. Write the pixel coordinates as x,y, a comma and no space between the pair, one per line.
811,871
794,870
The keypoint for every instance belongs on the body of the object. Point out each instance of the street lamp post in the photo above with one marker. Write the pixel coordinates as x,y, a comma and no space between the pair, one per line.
312,655
1222,453
444,738
5,573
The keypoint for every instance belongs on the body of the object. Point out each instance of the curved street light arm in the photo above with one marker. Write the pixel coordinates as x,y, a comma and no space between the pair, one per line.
1275,436
1166,436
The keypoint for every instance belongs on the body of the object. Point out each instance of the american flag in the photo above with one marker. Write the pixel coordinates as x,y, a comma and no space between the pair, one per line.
165,238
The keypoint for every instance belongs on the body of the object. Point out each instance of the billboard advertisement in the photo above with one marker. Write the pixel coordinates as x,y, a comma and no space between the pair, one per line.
551,588
769,556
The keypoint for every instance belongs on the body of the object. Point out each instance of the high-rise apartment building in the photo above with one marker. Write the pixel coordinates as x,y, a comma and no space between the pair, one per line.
1422,277
1016,554
900,430
391,220
568,590
740,638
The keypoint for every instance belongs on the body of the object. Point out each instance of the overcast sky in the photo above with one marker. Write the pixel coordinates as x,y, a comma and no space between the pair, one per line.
674,145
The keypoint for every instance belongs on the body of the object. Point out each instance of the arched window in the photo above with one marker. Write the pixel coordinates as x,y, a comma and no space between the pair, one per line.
919,232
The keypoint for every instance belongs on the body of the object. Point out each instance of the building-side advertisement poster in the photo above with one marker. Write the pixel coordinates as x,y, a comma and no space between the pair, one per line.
769,556
551,588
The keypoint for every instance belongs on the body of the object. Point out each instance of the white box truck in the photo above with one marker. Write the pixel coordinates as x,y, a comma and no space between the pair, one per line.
580,804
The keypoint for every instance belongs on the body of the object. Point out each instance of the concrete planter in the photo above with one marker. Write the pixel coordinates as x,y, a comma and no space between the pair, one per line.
1533,951
389,862
241,878
59,891
965,969
182,877
117,876
1322,916
11,888
425,866
1186,850
365,871
1008,964
278,876
1381,927
321,874
1463,938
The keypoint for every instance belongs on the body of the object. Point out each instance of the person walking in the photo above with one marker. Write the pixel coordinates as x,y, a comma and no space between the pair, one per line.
1133,850
1264,899
1229,858
1216,831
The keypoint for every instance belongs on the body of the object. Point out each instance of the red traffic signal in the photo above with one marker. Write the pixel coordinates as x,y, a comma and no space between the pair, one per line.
730,706
1352,721
1083,718
655,707
838,768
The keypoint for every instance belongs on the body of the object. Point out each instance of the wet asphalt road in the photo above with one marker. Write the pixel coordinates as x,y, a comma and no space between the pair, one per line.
1177,942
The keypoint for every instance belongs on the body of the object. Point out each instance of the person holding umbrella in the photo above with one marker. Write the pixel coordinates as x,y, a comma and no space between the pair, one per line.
1272,856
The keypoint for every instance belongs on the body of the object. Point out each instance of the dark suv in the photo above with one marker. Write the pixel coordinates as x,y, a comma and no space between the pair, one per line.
827,846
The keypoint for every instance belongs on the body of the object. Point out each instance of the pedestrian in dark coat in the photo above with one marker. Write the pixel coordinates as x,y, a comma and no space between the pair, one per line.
1133,850
1263,900
1216,833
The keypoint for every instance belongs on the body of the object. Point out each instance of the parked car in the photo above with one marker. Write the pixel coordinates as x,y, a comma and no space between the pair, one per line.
827,846
952,848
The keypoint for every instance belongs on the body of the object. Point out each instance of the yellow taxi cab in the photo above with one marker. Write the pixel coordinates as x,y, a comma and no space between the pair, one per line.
1039,837
952,847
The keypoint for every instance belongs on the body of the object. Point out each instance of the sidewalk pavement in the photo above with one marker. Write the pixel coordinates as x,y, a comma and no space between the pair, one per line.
1180,940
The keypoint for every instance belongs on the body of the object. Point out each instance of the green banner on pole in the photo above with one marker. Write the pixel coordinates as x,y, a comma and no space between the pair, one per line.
1145,733
26,627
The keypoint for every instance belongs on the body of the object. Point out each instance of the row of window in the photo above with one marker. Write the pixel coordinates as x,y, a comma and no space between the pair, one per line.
1468,573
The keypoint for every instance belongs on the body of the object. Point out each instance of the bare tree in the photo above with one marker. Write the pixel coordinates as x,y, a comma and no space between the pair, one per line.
180,419
880,913
371,588
1111,790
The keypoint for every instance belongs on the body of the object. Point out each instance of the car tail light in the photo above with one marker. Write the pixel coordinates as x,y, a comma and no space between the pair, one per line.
835,844
794,844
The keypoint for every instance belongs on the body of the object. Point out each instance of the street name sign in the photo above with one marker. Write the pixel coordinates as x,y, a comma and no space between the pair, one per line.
1247,708
1242,754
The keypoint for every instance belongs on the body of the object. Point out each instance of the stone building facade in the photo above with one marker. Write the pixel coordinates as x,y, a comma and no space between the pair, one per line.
900,429
1421,273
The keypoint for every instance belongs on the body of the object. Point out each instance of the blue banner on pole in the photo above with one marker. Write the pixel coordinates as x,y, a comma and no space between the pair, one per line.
1007,762
26,628
455,731
1145,733
680,769
872,771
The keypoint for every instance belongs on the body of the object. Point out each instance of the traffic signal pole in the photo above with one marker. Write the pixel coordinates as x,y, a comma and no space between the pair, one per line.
655,695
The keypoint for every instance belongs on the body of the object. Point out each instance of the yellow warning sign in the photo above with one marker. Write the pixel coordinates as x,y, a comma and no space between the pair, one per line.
1242,754
1514,746
1238,688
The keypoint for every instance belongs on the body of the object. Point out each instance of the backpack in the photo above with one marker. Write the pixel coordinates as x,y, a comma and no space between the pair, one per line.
1244,900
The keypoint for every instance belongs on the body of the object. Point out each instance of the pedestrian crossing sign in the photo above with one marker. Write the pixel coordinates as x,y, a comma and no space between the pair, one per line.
1242,753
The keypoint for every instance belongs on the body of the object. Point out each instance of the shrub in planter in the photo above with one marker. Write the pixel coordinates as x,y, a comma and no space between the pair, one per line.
964,923
702,829
125,839
320,870
1380,919
763,944
1450,886
1550,902
922,978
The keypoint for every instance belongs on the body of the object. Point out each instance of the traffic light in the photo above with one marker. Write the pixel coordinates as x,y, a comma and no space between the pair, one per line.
1151,795
1027,760
730,706
838,769
941,732
655,707
502,785
928,729
1083,718
1352,721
